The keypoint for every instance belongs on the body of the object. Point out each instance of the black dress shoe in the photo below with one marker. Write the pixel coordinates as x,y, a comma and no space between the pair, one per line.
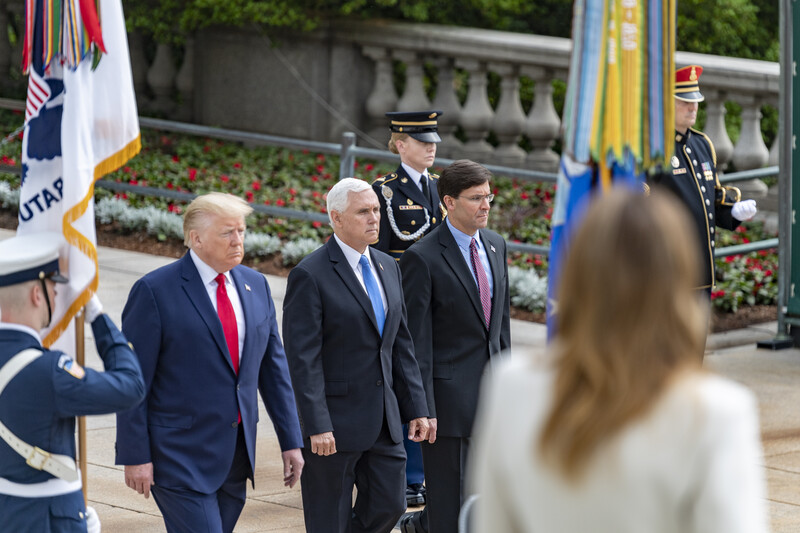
415,494
409,523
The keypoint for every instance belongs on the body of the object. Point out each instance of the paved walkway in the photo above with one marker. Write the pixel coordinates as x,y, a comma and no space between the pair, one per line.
774,376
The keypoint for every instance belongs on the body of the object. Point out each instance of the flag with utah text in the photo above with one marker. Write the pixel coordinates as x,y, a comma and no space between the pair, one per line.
80,124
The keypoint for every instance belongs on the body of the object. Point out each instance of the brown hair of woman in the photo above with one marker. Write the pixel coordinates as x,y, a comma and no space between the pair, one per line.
629,321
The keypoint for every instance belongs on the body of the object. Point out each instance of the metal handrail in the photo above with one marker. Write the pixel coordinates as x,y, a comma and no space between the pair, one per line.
348,152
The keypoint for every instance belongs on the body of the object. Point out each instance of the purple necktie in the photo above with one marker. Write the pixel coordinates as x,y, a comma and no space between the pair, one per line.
483,282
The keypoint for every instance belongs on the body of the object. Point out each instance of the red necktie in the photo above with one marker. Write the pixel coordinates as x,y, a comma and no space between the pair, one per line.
483,282
228,319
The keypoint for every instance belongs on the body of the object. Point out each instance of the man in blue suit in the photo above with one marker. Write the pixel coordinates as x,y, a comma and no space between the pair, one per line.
354,372
205,331
42,391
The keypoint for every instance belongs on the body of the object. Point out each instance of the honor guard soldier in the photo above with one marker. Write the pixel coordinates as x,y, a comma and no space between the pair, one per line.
693,175
42,391
410,206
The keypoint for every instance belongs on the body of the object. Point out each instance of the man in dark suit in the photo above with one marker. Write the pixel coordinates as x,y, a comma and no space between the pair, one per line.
410,209
205,332
355,377
455,282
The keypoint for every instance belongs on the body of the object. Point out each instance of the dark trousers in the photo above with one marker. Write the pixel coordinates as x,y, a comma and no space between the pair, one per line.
188,511
445,469
414,471
377,473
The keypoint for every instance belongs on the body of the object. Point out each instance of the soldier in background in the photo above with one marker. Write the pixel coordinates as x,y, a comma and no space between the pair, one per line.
694,178
410,209
410,206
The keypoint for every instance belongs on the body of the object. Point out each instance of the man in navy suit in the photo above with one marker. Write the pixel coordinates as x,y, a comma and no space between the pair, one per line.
205,332
455,282
355,377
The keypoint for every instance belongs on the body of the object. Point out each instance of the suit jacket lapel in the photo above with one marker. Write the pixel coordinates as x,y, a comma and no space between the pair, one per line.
193,286
245,295
342,268
386,281
453,257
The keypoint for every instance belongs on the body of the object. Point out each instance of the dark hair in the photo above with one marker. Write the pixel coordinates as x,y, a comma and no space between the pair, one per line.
461,175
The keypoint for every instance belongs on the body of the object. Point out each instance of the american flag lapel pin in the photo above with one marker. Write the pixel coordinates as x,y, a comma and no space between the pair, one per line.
380,265
247,287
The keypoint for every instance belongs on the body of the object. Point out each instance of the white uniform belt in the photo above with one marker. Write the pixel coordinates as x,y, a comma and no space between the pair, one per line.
61,466
45,489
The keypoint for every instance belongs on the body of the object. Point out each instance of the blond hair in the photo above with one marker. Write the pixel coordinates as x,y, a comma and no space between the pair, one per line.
629,321
197,213
396,136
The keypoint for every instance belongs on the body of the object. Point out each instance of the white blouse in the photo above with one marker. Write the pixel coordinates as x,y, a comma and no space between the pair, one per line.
692,464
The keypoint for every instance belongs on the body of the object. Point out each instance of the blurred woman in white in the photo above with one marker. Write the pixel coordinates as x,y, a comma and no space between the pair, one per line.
622,431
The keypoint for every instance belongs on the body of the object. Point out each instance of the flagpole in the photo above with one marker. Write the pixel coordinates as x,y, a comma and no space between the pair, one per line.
80,357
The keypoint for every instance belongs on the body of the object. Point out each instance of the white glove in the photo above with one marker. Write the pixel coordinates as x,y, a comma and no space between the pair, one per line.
744,210
93,309
92,520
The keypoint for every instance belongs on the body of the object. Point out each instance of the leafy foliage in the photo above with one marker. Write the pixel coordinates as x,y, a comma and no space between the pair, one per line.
740,28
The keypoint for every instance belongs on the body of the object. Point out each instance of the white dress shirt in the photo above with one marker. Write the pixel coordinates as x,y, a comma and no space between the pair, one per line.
415,176
353,257
209,277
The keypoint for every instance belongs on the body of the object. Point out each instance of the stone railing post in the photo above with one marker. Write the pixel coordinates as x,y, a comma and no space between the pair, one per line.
414,97
161,78
477,114
446,101
5,49
774,151
750,151
138,68
715,127
383,97
184,82
543,124
16,12
509,118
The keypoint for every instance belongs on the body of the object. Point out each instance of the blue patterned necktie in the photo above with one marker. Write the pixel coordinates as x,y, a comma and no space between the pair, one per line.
373,291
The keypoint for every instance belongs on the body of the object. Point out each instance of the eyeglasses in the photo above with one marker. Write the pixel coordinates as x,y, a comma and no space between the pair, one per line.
478,199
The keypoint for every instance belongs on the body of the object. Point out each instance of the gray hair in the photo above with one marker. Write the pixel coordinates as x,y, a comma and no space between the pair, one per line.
213,203
339,195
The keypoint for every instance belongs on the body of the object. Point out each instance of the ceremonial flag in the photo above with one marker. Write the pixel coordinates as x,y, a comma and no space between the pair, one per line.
80,123
618,112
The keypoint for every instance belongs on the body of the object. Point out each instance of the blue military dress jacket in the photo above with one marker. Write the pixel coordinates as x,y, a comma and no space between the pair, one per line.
39,405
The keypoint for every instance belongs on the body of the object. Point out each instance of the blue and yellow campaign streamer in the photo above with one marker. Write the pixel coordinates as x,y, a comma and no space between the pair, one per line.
618,110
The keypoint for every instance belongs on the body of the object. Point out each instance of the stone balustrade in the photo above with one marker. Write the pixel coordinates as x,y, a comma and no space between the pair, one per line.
343,78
